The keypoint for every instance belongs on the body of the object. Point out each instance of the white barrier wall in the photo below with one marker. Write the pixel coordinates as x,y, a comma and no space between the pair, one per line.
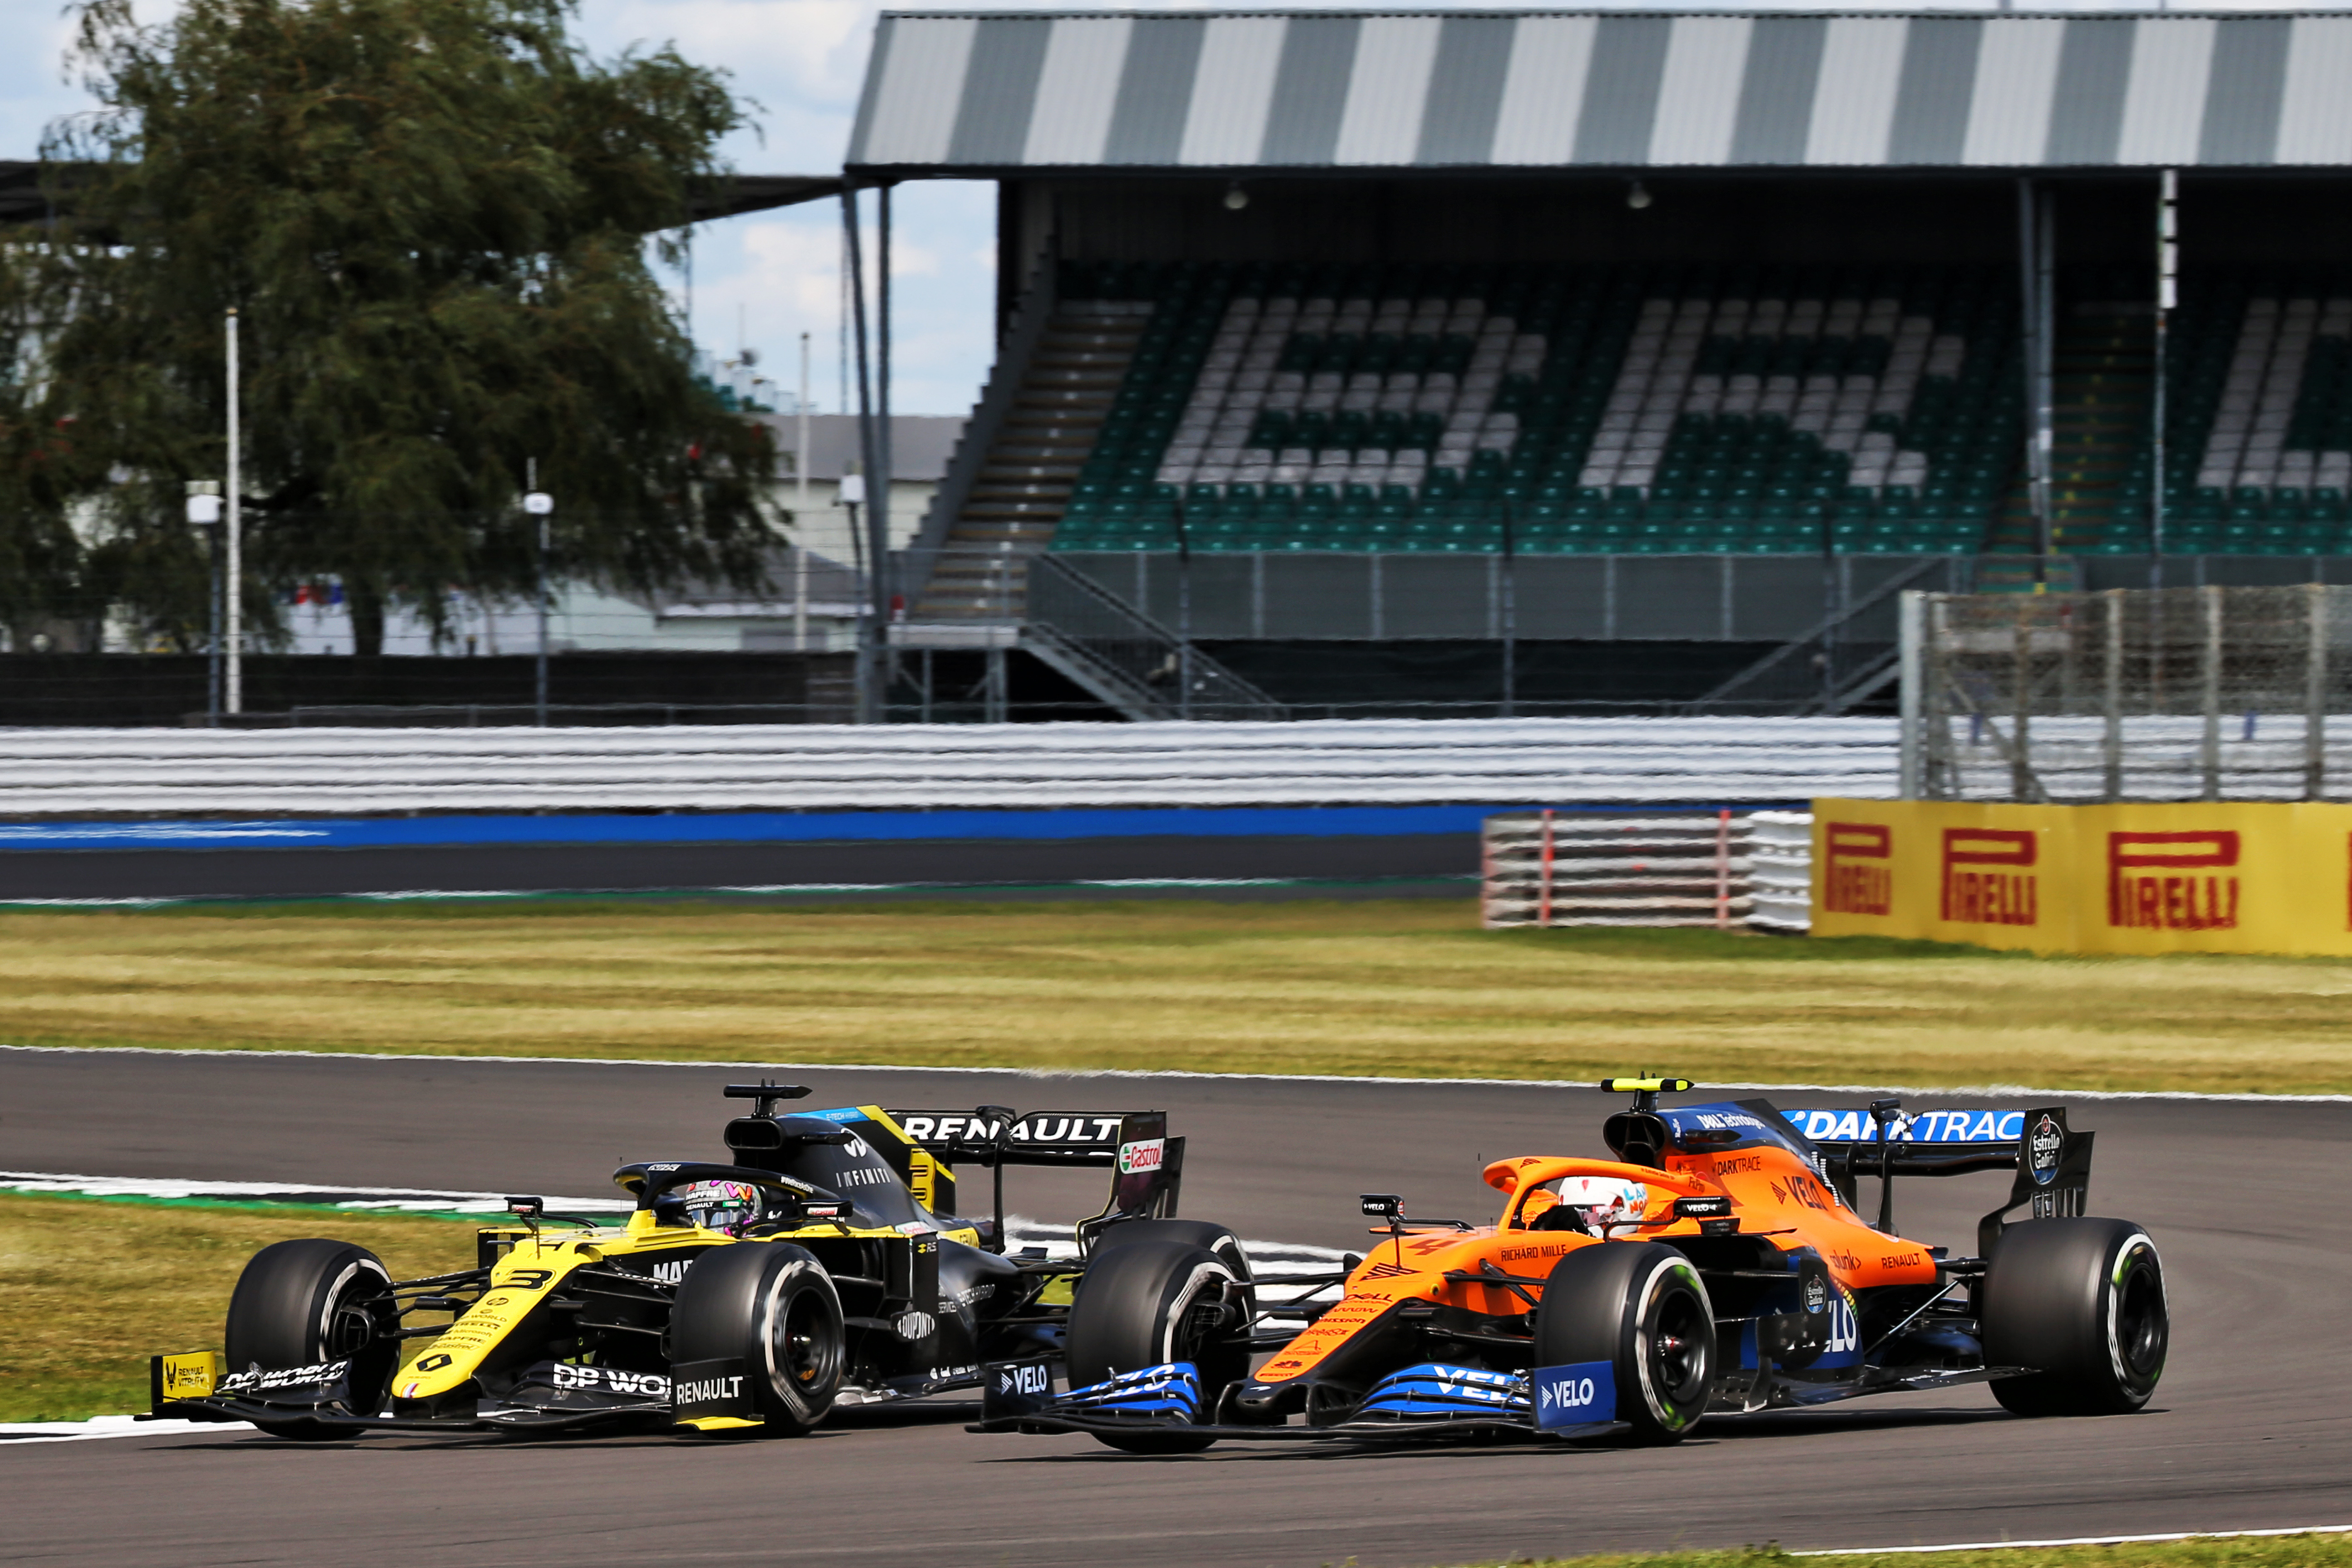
50,772
1717,869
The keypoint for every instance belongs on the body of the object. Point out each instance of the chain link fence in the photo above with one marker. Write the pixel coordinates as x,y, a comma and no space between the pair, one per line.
2202,693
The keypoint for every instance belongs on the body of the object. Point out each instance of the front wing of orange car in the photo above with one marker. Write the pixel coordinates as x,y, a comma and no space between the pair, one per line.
1564,1402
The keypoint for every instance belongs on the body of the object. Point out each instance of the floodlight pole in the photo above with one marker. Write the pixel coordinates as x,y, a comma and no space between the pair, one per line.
232,671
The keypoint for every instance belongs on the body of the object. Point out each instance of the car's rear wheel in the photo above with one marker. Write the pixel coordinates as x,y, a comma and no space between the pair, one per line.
302,1304
771,1306
1149,1300
1642,1309
2083,1303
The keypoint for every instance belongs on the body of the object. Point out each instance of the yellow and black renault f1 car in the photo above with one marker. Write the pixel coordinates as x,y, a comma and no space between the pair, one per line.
1717,1263
825,1263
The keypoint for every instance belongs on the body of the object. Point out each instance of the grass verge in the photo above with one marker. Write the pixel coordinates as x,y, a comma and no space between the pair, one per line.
1407,986
90,1288
2219,1551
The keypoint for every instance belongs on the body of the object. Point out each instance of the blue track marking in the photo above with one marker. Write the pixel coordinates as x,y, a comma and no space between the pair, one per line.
769,827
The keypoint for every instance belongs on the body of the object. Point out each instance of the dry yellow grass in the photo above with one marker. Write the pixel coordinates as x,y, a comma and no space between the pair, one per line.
1398,987
2316,1551
91,1289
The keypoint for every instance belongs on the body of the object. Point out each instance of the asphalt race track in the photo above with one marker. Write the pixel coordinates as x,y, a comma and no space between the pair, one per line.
2249,1430
1386,865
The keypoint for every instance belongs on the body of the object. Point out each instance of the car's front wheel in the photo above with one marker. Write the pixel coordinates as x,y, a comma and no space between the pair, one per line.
1642,1309
1154,1300
771,1306
302,1304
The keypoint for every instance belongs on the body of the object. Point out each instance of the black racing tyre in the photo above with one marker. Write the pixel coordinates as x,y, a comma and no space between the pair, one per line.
1149,1300
298,1303
772,1306
1218,1238
1642,1309
2083,1301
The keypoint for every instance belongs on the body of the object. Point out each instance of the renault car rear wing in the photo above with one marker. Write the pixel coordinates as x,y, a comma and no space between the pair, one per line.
1146,1165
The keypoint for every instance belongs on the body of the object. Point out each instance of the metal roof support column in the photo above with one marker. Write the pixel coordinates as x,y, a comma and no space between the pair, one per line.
2033,256
869,630
878,503
2168,299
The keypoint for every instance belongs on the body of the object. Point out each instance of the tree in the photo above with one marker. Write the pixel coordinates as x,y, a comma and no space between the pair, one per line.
40,469
429,217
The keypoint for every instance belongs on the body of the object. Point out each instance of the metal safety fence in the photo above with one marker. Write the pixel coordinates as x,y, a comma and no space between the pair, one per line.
1717,869
2195,693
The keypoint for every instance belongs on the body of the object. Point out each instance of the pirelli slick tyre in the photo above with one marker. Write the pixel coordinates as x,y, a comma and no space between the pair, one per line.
2082,1302
1642,1309
299,1303
1218,1238
1152,1300
771,1306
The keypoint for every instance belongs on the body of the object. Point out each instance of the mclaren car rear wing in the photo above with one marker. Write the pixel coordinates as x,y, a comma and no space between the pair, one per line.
1146,1165
2052,1162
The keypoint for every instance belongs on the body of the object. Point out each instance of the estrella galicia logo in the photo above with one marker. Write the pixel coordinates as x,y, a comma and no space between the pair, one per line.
2042,1147
1575,1395
1817,1293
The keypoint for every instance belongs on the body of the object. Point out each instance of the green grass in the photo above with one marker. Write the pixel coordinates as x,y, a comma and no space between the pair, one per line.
2225,1552
90,1288
1408,987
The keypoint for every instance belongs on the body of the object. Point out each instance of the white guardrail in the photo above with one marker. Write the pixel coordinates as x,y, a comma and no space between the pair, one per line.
1714,869
54,773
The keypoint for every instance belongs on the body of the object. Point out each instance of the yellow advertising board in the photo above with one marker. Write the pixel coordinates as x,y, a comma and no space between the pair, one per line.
2201,876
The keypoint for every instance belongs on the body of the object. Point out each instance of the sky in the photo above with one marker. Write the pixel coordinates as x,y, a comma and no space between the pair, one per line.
764,279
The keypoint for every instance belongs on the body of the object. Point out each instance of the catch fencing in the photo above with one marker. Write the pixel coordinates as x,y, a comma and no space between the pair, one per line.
1491,762
1718,869
2198,693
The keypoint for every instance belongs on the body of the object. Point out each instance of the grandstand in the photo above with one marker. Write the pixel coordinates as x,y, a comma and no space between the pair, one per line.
1335,347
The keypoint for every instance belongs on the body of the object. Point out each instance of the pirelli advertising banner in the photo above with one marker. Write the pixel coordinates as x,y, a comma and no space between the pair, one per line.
2087,879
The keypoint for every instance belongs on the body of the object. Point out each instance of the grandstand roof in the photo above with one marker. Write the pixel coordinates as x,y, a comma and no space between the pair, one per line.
998,94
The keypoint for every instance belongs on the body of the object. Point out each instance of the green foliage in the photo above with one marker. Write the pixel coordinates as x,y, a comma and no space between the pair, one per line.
39,472
428,216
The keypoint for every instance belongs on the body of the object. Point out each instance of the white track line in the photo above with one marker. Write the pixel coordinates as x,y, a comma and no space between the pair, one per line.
14,1432
374,1199
1980,1090
2076,1540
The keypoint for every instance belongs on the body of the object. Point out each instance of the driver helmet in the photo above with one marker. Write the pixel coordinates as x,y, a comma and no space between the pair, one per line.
726,1206
1601,1202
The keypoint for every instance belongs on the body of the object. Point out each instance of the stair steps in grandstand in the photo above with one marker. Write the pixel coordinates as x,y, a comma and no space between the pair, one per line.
1072,378
2103,375
2014,574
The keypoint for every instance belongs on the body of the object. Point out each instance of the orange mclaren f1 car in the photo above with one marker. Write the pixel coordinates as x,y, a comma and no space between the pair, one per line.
1717,1264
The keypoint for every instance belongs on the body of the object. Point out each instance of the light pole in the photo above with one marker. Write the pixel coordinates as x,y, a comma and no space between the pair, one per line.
233,676
540,506
205,513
